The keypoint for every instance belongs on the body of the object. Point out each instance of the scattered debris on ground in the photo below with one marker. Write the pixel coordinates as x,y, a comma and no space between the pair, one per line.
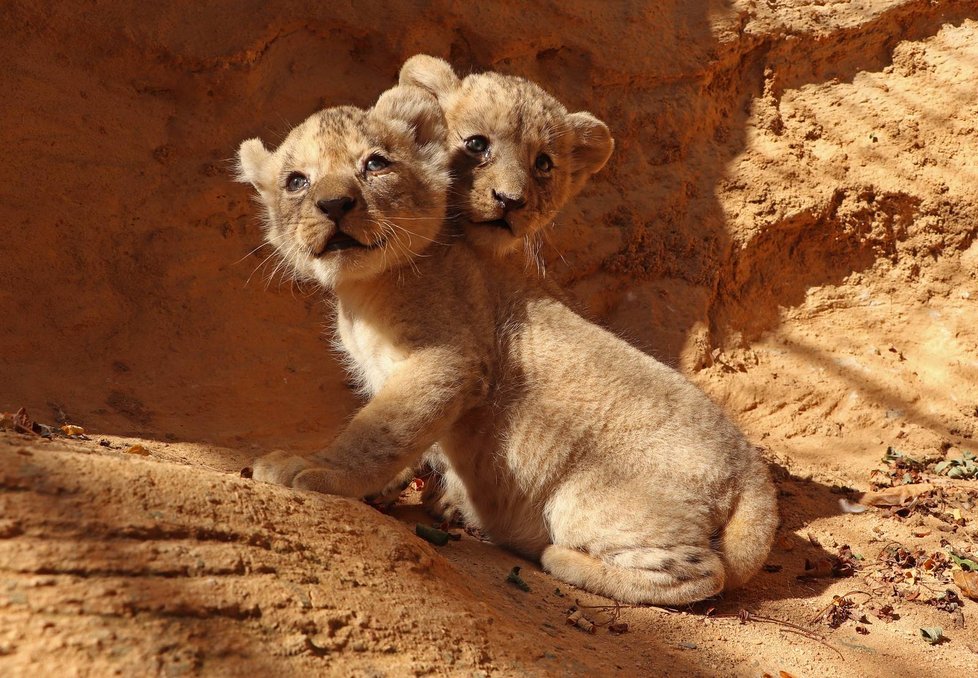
434,535
516,580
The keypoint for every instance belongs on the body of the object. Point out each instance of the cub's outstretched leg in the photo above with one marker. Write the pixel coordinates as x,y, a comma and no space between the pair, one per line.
660,576
420,400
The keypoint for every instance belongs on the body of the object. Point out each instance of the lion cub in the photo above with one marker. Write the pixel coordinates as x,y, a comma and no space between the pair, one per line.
518,155
574,447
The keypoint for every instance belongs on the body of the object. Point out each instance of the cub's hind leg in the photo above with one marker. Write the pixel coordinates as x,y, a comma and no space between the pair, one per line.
444,496
660,576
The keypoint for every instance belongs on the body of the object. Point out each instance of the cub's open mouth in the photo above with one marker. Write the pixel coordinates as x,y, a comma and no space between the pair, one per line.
498,223
344,241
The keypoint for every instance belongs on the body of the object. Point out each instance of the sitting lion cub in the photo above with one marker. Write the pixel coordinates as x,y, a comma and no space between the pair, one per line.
574,447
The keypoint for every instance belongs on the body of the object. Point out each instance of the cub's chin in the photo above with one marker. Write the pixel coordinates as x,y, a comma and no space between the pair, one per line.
339,260
499,237
344,262
492,238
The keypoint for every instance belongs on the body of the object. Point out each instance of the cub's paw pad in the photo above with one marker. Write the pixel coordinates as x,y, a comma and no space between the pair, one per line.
280,468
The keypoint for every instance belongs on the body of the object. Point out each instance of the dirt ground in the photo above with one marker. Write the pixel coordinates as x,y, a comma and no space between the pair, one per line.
790,217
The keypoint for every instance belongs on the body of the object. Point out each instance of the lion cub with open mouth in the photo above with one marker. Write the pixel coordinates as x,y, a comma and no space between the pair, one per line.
573,446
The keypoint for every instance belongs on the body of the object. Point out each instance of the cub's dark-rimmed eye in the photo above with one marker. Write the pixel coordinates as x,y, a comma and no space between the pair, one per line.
544,163
296,182
376,163
477,144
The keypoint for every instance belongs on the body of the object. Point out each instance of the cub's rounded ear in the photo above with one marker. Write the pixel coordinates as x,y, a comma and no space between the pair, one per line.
592,146
415,108
252,162
429,73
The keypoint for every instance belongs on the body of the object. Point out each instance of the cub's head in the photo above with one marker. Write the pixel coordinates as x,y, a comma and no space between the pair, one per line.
351,193
517,153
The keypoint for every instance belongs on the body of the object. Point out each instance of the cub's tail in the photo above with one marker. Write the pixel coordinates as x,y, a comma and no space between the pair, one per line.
747,537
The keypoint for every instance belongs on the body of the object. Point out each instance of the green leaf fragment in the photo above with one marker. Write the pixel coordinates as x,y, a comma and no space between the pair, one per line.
932,634
514,578
965,468
964,563
432,534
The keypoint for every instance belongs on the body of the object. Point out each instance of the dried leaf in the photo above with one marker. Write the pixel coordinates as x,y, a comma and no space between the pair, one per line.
19,422
895,457
886,613
838,612
72,430
932,634
818,569
947,601
137,449
577,618
895,496
967,582
963,469
845,563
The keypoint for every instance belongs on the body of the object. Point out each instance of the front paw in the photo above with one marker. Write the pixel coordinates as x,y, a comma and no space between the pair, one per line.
392,491
280,468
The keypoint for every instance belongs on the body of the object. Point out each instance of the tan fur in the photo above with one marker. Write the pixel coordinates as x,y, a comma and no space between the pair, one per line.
573,447
521,122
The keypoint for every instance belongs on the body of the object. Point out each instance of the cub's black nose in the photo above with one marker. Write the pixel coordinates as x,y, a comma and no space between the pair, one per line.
335,208
508,202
